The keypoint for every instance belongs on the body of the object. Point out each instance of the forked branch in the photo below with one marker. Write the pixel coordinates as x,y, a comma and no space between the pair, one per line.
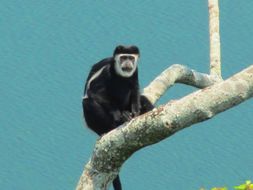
118,145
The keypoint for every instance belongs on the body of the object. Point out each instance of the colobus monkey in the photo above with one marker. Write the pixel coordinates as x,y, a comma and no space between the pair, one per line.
111,95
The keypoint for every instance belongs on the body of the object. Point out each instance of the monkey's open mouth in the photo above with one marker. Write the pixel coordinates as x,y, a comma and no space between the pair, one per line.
127,66
127,69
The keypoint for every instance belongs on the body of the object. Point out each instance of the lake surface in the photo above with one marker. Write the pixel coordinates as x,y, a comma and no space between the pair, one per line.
46,51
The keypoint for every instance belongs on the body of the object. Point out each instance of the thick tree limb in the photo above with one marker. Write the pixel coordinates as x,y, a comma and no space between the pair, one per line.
118,145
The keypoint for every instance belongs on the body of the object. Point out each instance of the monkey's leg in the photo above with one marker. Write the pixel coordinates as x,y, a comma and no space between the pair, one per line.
97,118
100,122
145,105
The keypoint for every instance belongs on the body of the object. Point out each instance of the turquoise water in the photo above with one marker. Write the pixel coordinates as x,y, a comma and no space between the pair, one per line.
46,50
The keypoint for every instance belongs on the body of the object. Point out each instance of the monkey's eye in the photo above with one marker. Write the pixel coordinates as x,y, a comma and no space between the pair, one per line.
127,57
131,58
123,58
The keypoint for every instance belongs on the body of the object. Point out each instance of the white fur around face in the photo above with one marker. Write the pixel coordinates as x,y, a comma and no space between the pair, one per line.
118,67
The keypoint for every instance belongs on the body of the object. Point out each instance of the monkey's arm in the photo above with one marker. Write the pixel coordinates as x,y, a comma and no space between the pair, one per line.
135,101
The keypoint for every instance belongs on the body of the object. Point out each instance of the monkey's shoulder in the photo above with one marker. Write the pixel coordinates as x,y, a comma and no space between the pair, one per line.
104,62
98,67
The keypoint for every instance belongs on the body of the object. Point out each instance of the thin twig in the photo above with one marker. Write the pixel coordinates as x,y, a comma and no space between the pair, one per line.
214,30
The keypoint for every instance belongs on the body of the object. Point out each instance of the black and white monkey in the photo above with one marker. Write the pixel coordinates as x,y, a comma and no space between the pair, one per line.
111,95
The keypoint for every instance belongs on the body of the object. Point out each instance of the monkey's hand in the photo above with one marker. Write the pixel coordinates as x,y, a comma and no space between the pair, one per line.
126,116
135,114
117,118
135,110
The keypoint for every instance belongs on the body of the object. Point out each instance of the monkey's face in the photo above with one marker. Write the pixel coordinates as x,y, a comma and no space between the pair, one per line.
126,64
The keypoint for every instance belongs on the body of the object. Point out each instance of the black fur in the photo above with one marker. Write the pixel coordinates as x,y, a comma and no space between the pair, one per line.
110,99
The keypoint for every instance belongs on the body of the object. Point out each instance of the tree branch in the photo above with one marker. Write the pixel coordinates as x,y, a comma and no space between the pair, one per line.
118,145
177,74
214,30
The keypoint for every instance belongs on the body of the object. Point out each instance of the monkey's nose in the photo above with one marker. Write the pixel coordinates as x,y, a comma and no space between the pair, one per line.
128,66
